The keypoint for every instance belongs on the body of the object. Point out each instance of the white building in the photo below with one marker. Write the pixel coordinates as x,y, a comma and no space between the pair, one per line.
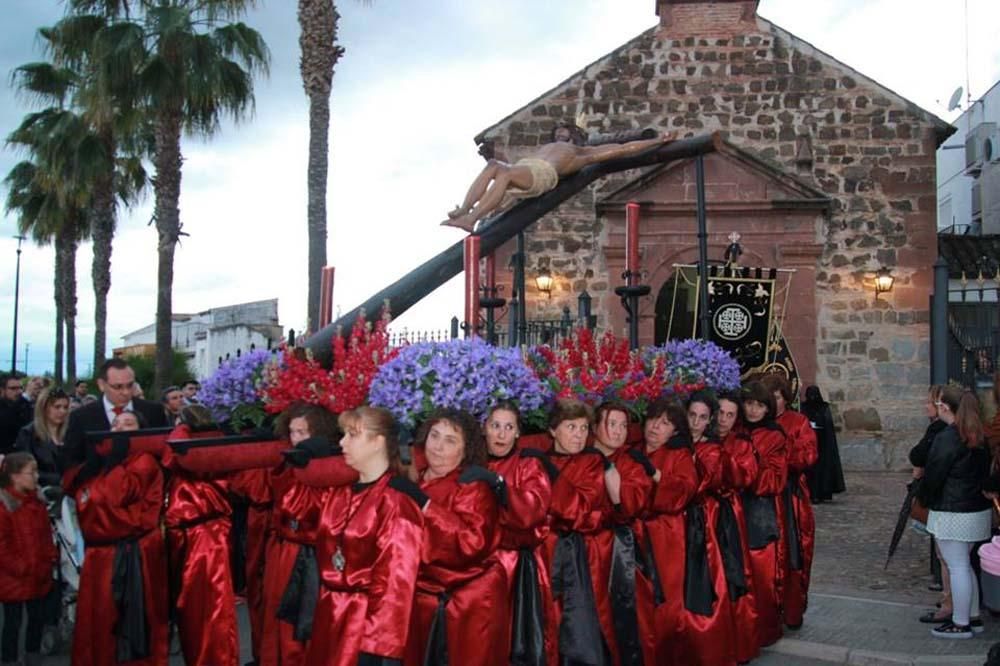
215,335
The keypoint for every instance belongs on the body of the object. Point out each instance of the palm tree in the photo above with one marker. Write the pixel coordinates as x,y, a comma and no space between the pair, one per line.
195,68
97,78
320,53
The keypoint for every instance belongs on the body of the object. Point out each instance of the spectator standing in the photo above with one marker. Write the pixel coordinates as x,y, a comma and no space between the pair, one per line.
116,380
960,515
29,554
826,479
80,393
33,389
15,412
45,436
190,390
172,399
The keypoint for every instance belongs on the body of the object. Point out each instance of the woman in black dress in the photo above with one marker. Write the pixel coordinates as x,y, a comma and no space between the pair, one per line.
826,478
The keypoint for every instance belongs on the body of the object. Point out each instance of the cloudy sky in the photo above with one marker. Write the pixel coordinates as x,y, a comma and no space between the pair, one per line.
420,78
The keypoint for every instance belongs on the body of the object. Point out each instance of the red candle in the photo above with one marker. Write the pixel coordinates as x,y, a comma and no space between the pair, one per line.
491,275
472,247
632,241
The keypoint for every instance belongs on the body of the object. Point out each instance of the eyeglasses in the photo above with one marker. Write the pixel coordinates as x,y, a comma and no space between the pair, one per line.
121,387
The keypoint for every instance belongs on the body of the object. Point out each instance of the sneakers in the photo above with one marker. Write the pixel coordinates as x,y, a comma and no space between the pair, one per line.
952,630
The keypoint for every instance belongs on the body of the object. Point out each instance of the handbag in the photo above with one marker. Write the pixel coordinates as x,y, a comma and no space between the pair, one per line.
918,511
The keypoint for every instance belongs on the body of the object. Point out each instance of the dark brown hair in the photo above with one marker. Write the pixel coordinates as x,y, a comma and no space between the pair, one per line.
321,422
675,413
475,445
14,463
756,390
568,409
378,421
776,383
965,406
111,363
196,417
505,406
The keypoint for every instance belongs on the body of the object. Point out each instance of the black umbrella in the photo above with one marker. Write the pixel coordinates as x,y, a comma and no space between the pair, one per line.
902,519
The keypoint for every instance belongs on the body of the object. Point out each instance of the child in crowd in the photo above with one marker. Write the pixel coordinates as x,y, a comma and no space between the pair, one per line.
29,555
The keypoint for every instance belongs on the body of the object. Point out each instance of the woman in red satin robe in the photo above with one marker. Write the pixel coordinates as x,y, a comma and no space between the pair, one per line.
119,497
368,548
461,601
578,512
291,561
764,510
621,554
740,475
197,519
523,527
708,632
802,453
668,446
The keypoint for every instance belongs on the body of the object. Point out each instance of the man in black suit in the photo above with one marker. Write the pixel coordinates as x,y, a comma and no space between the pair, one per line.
115,379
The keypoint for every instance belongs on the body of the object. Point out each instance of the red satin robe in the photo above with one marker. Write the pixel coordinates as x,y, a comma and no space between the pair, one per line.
580,504
663,527
254,486
461,534
197,519
524,525
740,474
123,503
768,562
365,606
710,640
295,521
802,455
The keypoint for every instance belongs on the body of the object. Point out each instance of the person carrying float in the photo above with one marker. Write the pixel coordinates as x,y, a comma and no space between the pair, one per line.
802,454
524,527
765,510
368,549
461,599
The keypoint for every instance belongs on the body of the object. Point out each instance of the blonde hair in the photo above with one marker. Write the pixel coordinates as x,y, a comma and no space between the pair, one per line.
45,400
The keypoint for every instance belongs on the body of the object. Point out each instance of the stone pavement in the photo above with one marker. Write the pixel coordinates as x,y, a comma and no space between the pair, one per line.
859,613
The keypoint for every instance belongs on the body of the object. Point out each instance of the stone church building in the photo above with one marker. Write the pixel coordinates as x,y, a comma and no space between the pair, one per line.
823,170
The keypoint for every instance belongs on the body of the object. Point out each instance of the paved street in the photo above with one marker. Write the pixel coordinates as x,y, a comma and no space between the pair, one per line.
859,612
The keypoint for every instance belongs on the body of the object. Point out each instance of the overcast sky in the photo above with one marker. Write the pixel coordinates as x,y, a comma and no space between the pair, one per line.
419,79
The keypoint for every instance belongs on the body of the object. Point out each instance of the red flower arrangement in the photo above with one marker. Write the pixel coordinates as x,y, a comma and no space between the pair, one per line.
298,377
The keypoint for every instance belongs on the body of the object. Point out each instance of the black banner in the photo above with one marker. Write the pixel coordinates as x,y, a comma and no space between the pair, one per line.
740,309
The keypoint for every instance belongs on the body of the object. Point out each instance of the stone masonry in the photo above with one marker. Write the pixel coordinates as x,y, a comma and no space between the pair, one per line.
720,67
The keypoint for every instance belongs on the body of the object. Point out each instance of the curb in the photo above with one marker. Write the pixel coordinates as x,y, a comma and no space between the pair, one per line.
837,654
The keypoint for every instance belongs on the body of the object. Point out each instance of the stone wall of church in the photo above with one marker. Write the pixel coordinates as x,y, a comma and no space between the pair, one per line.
776,96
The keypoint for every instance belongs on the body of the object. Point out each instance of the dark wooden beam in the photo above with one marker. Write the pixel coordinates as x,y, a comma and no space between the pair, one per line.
421,281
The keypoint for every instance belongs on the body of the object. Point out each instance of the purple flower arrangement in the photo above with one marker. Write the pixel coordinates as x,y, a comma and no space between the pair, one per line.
463,374
694,360
233,392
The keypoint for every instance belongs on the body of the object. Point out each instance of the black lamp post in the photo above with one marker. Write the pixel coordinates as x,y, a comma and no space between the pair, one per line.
17,290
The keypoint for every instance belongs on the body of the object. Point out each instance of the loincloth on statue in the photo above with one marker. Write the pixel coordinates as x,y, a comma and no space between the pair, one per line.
543,179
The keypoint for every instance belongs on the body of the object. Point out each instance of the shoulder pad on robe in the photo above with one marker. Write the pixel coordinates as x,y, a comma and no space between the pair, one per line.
540,456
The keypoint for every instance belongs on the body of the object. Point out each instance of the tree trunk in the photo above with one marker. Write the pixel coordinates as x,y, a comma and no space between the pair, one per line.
57,292
102,233
69,301
166,212
318,23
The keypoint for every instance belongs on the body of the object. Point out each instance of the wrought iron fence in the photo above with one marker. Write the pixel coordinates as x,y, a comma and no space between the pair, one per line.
973,338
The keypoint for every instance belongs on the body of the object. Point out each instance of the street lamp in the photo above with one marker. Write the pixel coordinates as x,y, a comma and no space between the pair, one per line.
883,281
544,282
17,289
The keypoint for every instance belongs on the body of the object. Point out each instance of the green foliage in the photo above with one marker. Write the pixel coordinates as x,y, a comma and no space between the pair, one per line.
145,370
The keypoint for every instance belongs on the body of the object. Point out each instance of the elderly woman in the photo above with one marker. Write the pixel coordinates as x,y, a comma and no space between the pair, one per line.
765,511
802,453
523,529
581,504
667,444
368,550
461,587
43,437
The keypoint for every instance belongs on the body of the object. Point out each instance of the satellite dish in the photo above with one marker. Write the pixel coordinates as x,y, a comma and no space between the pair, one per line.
956,99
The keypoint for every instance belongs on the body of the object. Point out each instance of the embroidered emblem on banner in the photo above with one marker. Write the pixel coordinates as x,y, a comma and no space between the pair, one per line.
732,321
